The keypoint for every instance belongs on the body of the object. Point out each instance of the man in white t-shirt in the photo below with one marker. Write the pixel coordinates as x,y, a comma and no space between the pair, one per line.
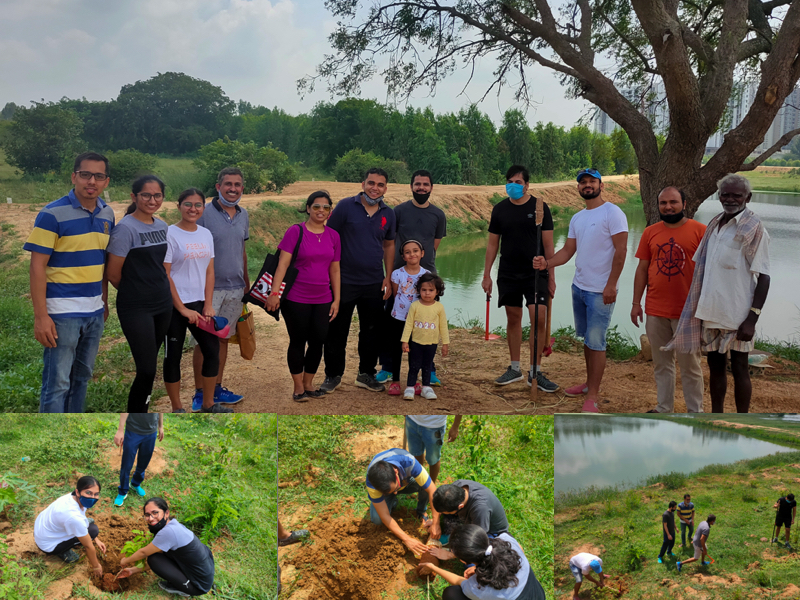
599,236
582,565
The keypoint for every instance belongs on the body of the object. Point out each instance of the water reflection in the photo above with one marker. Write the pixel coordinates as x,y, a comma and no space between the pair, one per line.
609,451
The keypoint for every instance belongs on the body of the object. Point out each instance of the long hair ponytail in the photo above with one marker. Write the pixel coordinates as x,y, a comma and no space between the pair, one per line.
498,569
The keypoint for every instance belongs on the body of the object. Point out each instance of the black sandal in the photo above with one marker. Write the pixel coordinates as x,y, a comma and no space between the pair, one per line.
300,397
314,393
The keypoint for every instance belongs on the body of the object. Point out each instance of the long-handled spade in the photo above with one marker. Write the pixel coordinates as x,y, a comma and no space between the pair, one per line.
489,336
539,218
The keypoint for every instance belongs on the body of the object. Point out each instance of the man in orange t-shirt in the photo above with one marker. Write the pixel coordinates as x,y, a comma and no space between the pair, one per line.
666,269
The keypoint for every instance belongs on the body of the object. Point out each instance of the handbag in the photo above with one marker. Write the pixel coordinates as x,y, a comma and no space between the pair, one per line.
246,332
262,287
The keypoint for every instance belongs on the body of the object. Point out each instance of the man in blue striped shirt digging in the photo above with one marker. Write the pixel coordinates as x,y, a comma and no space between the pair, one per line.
68,287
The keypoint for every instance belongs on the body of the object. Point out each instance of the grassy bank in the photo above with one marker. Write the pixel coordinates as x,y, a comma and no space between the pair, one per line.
764,181
513,456
624,528
786,433
209,467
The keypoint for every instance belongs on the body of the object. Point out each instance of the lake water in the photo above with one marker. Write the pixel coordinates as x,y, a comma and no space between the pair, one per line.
610,450
460,263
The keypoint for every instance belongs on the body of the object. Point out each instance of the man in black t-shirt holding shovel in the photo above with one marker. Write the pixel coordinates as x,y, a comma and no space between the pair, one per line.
787,511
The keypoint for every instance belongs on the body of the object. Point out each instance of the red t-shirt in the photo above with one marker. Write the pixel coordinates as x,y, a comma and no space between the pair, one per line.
669,275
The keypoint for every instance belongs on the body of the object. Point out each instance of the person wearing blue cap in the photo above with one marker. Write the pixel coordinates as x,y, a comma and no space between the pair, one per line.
597,237
582,565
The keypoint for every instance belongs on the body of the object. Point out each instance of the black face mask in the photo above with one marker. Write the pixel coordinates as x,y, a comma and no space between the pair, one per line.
671,219
154,529
421,198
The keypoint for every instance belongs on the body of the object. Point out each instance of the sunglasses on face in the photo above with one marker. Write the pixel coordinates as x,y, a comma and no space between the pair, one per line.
191,204
87,175
324,207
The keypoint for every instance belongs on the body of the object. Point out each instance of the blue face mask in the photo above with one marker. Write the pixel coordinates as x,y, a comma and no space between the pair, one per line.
87,502
515,190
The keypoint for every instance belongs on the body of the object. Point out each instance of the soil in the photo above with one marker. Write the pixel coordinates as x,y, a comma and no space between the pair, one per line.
115,530
348,557
473,364
111,456
366,445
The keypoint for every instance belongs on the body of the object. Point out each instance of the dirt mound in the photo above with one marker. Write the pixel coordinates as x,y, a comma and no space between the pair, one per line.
349,558
115,530
112,456
368,444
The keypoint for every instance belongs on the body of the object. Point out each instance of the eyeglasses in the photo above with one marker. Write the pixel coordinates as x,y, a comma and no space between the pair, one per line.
87,175
325,207
153,515
191,204
146,197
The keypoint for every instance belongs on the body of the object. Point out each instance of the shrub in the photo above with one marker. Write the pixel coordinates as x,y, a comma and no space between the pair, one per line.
127,165
352,166
632,501
672,480
620,346
497,198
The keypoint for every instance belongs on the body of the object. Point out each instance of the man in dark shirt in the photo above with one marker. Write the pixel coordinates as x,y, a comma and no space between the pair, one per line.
787,511
366,228
668,524
512,230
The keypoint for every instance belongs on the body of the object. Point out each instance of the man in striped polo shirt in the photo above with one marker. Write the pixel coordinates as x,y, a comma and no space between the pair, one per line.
68,288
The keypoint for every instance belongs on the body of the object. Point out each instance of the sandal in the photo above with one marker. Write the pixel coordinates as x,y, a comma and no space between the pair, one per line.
300,397
314,393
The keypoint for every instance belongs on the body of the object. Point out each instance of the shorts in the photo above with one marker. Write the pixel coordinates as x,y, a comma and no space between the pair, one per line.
425,440
228,304
576,573
722,340
698,552
592,317
784,521
510,291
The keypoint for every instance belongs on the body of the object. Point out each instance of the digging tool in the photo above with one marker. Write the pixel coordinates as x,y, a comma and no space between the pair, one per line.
539,217
489,336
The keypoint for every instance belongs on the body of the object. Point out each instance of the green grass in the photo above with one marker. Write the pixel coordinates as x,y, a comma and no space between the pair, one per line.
234,453
513,456
626,524
788,181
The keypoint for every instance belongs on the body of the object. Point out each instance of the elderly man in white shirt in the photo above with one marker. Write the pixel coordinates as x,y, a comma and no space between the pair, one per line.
728,291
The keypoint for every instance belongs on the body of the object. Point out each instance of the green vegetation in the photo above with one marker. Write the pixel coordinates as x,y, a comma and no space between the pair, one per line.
513,456
788,181
626,525
237,452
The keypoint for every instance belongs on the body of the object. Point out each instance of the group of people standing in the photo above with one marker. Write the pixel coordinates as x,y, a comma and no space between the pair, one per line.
168,279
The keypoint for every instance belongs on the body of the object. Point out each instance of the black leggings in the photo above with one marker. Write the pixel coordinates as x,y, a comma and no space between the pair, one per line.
145,331
166,568
74,542
306,324
420,357
176,335
393,345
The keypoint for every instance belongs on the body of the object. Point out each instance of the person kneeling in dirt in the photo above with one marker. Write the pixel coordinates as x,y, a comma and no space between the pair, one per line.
496,568
787,511
63,525
470,503
175,554
581,566
699,541
393,472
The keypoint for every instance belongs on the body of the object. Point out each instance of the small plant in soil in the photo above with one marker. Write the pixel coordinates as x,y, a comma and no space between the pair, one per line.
141,540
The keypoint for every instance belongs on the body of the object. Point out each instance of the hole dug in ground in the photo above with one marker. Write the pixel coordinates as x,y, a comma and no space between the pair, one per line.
115,530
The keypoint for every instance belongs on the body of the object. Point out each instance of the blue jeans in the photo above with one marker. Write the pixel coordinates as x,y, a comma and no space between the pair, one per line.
592,317
391,501
131,443
68,366
667,545
423,440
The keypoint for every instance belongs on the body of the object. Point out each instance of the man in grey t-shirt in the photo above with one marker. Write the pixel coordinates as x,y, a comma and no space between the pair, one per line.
136,435
699,542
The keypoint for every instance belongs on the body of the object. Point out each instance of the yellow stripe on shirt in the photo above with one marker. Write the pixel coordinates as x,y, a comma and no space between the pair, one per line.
43,237
94,240
422,478
88,274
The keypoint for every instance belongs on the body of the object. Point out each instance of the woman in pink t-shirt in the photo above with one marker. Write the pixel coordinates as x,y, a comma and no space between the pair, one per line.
313,300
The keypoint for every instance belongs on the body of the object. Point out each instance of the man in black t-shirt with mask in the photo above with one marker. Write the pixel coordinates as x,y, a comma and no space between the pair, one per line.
512,231
787,511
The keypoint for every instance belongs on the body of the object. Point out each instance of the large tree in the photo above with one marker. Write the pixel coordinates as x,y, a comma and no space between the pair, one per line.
696,49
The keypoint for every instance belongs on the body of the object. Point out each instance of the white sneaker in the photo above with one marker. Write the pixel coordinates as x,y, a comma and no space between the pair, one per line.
428,393
408,394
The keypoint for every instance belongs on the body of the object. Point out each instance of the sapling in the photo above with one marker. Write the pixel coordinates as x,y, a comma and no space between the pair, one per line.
141,540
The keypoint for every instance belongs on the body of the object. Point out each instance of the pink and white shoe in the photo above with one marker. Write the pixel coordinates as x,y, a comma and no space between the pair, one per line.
577,390
395,389
590,406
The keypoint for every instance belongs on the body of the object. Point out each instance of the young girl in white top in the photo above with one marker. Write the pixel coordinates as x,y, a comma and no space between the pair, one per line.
404,288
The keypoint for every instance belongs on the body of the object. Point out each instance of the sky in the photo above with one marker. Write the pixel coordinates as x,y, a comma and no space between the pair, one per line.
255,50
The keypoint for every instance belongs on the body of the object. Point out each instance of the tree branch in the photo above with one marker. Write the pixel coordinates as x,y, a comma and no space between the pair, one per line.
629,43
702,48
785,139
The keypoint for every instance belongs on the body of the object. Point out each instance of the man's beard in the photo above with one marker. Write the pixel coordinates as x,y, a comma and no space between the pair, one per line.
587,195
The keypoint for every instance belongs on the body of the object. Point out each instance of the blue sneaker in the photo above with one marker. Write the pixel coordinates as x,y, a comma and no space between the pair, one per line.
660,561
671,554
435,380
706,563
383,376
197,400
120,499
139,490
678,566
223,395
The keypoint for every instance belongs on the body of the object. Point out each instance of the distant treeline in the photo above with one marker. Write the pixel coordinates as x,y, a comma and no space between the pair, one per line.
173,114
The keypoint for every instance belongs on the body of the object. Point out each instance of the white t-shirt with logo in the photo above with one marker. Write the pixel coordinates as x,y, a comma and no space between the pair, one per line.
63,520
190,253
592,231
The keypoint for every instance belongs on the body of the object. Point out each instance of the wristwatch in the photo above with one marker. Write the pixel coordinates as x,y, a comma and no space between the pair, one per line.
756,310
